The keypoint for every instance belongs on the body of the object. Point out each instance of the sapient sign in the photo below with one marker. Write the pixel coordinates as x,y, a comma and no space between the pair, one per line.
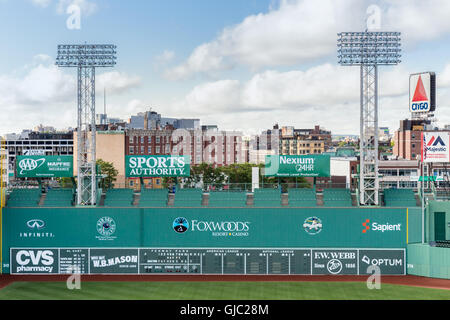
297,166
157,166
44,166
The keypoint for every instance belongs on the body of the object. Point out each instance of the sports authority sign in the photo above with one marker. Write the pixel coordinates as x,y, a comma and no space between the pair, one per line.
44,166
435,146
297,166
157,166
422,92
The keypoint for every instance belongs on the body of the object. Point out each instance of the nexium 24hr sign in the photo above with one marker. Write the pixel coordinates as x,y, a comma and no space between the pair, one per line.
157,166
297,166
44,166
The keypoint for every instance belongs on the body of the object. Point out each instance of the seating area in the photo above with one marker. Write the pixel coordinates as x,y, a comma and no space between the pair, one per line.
302,197
24,198
337,198
267,198
399,198
188,197
59,198
119,198
153,198
227,199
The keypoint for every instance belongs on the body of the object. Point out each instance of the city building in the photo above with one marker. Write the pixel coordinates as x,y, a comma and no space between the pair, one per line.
214,147
35,143
407,140
153,120
304,141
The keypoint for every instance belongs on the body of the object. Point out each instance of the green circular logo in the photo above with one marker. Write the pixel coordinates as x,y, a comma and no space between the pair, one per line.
106,226
312,225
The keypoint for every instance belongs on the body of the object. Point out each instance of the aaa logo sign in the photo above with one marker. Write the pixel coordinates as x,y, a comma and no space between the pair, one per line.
44,166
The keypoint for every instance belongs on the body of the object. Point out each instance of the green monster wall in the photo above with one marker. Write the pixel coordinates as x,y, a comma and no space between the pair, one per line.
207,228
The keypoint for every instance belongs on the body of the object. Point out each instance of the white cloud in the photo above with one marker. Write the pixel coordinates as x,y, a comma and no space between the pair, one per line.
87,7
326,94
116,82
47,94
41,3
300,31
165,57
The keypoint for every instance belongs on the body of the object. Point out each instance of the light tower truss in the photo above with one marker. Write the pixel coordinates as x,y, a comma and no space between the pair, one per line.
368,50
86,58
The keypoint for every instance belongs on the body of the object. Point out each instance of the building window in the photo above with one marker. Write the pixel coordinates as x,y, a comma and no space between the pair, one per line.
142,139
142,149
149,139
149,149
131,139
158,139
158,149
175,149
131,150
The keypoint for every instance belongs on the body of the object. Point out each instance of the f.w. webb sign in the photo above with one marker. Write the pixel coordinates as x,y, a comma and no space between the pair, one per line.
157,166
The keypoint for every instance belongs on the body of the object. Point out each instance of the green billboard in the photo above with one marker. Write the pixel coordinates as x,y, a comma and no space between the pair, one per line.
44,166
73,230
157,166
297,166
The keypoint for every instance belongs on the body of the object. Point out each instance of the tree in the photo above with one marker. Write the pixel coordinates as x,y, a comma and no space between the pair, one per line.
107,168
205,173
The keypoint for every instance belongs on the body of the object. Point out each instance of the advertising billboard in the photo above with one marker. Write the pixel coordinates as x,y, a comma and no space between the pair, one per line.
297,166
422,92
44,166
157,166
435,146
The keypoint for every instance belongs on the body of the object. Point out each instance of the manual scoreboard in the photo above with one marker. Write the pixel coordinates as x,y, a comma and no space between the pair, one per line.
237,261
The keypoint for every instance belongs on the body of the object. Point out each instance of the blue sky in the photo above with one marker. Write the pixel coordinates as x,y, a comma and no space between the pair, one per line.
241,64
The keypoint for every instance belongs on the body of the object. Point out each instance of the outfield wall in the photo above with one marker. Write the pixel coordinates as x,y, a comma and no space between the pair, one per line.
426,261
85,229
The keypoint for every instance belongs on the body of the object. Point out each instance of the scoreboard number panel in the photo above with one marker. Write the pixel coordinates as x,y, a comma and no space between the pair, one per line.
214,261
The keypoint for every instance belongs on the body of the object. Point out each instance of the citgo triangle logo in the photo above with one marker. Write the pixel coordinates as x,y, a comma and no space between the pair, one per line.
420,93
433,141
366,225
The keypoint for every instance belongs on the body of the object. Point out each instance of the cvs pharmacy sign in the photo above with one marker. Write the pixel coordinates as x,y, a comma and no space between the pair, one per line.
34,261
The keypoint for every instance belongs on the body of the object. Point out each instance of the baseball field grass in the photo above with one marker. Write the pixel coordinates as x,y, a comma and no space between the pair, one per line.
217,291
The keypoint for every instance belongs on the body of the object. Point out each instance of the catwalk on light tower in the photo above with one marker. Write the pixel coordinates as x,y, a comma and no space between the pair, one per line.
86,58
369,50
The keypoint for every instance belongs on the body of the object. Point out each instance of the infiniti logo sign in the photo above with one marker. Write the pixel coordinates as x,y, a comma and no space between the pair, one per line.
36,224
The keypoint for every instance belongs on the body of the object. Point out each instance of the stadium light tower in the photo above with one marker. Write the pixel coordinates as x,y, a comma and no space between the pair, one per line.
86,58
369,50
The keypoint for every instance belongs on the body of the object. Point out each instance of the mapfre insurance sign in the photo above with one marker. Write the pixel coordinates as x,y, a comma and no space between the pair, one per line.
435,146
